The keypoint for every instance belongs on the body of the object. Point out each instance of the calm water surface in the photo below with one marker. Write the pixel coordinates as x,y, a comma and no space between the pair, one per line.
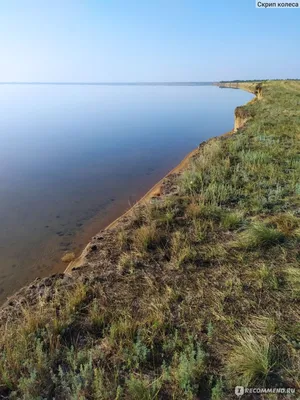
73,158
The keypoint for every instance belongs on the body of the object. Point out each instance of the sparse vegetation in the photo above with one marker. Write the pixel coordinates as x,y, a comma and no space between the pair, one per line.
196,293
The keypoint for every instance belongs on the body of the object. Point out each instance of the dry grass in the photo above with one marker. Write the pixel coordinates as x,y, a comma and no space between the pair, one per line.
68,257
198,293
145,238
250,359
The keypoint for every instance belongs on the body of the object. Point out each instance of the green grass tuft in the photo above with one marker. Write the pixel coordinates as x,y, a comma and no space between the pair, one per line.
260,235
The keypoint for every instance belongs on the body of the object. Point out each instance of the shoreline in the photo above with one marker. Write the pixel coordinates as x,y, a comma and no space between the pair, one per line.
151,193
184,283
155,191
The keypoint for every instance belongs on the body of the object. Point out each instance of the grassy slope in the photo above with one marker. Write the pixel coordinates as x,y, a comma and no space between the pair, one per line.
204,293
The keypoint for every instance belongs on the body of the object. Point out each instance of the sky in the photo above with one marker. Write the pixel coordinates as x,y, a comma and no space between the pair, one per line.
146,40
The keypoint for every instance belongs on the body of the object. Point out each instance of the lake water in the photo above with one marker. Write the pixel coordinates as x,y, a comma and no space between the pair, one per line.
73,158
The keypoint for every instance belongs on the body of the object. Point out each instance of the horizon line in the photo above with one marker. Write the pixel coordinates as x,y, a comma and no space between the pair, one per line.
109,83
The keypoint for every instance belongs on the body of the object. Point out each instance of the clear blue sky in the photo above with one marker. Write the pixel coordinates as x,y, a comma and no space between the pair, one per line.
146,40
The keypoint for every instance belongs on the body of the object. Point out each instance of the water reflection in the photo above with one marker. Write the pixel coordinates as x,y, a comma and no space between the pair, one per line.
73,157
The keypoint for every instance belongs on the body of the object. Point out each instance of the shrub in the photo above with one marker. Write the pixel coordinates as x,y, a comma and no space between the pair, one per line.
217,392
190,367
141,388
